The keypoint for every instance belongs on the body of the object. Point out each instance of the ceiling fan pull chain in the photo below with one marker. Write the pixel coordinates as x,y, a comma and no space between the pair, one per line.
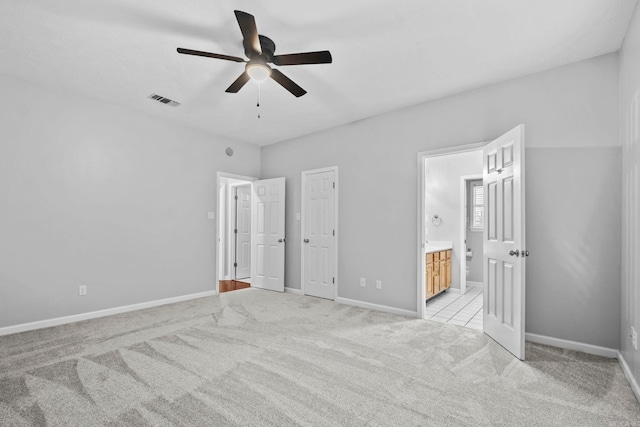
258,105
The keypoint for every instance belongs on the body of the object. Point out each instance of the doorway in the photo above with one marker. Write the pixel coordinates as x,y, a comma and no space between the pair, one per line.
234,232
448,299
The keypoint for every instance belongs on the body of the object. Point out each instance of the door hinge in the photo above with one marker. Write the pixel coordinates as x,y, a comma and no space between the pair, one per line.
333,280
235,264
235,231
236,197
334,185
334,232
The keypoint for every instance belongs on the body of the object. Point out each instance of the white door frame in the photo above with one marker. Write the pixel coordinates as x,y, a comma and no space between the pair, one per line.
219,250
335,222
422,186
463,228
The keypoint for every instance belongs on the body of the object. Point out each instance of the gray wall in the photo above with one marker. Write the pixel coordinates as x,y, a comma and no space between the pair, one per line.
569,107
629,136
573,233
94,195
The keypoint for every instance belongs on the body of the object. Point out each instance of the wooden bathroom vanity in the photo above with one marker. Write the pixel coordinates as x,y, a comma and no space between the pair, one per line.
438,269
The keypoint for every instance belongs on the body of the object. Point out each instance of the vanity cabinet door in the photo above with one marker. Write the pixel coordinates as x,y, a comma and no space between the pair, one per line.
442,265
429,283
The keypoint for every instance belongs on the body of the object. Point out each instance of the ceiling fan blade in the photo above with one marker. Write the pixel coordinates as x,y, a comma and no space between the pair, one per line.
287,83
321,57
239,83
249,30
210,55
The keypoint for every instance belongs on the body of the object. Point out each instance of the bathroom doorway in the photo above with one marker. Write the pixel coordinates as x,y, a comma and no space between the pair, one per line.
449,179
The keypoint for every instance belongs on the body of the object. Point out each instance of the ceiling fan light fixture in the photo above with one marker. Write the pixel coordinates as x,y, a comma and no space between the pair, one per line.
258,72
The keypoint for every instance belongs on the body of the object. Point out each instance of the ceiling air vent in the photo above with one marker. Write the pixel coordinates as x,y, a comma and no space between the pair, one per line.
164,100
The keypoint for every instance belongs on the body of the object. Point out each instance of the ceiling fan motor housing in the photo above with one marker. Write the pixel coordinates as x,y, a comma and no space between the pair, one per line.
268,49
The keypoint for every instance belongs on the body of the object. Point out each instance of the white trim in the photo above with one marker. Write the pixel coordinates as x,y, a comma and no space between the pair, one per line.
472,283
421,208
376,307
463,228
293,291
304,175
627,373
100,313
572,345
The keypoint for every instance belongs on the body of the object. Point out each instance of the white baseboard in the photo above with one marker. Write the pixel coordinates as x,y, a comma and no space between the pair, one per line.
376,307
573,345
455,291
100,313
627,372
472,283
293,291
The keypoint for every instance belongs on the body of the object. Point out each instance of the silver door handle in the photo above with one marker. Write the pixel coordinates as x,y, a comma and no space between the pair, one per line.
306,240
514,253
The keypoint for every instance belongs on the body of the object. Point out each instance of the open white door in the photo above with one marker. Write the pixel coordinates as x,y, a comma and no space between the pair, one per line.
242,228
319,232
267,234
504,241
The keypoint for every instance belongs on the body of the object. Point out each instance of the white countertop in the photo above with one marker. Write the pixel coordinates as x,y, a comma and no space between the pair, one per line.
437,246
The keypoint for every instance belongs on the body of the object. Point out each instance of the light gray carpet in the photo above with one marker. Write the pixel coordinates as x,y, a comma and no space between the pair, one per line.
253,357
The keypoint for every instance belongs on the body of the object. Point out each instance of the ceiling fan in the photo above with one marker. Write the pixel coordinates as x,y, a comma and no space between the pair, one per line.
260,51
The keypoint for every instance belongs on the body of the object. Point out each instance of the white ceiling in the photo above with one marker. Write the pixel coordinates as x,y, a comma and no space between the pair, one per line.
387,54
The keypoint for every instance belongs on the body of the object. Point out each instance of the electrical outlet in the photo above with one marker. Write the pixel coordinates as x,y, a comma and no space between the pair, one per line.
634,338
82,290
378,284
363,282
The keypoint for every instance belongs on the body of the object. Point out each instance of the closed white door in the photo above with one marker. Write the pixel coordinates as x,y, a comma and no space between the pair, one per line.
319,240
267,234
504,241
242,230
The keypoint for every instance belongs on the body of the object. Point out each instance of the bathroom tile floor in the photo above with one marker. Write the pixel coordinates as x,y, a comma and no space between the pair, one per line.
455,309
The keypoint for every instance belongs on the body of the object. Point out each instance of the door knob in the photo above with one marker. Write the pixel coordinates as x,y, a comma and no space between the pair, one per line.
514,253
306,240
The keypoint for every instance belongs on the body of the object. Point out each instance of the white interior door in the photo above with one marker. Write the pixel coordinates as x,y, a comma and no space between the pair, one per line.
242,229
504,241
267,234
319,241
